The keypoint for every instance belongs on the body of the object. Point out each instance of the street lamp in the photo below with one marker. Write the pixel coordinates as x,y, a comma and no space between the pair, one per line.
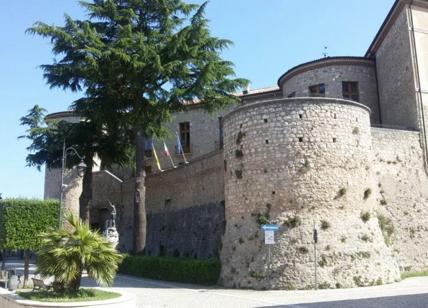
80,171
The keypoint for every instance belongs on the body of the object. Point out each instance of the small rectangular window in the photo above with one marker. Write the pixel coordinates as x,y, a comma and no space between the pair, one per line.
317,90
185,136
292,94
350,90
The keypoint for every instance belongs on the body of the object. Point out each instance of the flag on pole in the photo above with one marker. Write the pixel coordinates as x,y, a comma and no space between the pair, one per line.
156,158
167,154
179,147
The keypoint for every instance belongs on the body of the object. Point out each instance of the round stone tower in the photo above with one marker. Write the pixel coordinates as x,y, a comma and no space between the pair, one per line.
72,181
298,163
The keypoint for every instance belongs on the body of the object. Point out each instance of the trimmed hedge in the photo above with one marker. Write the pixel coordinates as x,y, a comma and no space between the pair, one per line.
172,269
22,220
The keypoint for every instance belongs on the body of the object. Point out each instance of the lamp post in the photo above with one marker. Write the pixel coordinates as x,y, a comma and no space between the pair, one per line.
80,171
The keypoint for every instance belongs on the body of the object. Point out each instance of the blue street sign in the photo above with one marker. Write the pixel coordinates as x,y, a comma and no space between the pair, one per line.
270,227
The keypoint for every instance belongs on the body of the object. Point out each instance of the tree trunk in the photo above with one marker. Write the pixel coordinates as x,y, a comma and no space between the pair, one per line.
139,196
2,259
74,285
26,267
86,196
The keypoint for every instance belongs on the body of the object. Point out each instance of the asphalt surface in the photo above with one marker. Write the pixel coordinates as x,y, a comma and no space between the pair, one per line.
412,293
409,293
408,301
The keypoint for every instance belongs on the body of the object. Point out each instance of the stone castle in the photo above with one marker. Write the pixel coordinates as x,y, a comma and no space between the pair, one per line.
340,144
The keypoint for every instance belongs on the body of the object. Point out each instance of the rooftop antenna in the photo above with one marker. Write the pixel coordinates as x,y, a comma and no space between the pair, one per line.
325,53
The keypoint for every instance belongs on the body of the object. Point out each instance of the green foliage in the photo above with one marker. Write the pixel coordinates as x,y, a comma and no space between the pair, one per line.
256,275
238,174
367,193
303,250
405,275
365,238
239,138
365,217
239,153
323,261
325,225
292,222
138,61
21,220
172,269
79,296
66,253
387,228
263,218
340,193
324,285
358,281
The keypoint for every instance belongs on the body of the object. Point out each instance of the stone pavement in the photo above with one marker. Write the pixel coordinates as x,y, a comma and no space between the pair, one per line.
151,293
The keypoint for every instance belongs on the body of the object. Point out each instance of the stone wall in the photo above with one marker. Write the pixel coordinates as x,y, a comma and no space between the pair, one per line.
204,135
185,209
332,75
396,76
402,195
296,162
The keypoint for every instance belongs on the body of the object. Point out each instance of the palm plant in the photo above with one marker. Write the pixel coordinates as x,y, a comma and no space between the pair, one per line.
67,252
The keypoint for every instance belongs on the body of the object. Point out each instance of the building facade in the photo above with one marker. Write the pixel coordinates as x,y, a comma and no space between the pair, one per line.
339,144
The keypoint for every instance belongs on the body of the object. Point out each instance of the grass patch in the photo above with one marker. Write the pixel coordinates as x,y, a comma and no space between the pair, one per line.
405,275
172,269
82,295
387,228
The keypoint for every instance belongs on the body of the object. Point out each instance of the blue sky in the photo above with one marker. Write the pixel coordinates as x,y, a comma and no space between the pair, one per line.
270,36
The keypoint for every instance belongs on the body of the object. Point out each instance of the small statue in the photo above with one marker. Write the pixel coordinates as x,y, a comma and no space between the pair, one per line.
111,232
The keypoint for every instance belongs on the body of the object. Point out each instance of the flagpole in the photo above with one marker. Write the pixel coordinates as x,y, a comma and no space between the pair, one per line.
167,153
156,158
181,148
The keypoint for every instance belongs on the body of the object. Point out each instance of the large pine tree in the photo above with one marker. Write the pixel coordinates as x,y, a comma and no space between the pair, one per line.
137,62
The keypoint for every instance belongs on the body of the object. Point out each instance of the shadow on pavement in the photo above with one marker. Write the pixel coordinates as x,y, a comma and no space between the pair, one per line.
408,301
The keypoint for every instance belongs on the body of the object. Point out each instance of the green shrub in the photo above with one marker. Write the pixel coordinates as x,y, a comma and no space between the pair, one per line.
367,193
239,138
238,174
263,219
340,193
292,222
386,227
239,153
172,269
303,250
365,217
325,225
22,220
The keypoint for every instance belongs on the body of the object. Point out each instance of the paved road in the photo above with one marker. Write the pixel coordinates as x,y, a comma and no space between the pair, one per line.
412,293
410,301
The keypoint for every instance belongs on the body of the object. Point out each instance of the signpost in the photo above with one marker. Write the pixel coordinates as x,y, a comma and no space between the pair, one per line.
270,230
